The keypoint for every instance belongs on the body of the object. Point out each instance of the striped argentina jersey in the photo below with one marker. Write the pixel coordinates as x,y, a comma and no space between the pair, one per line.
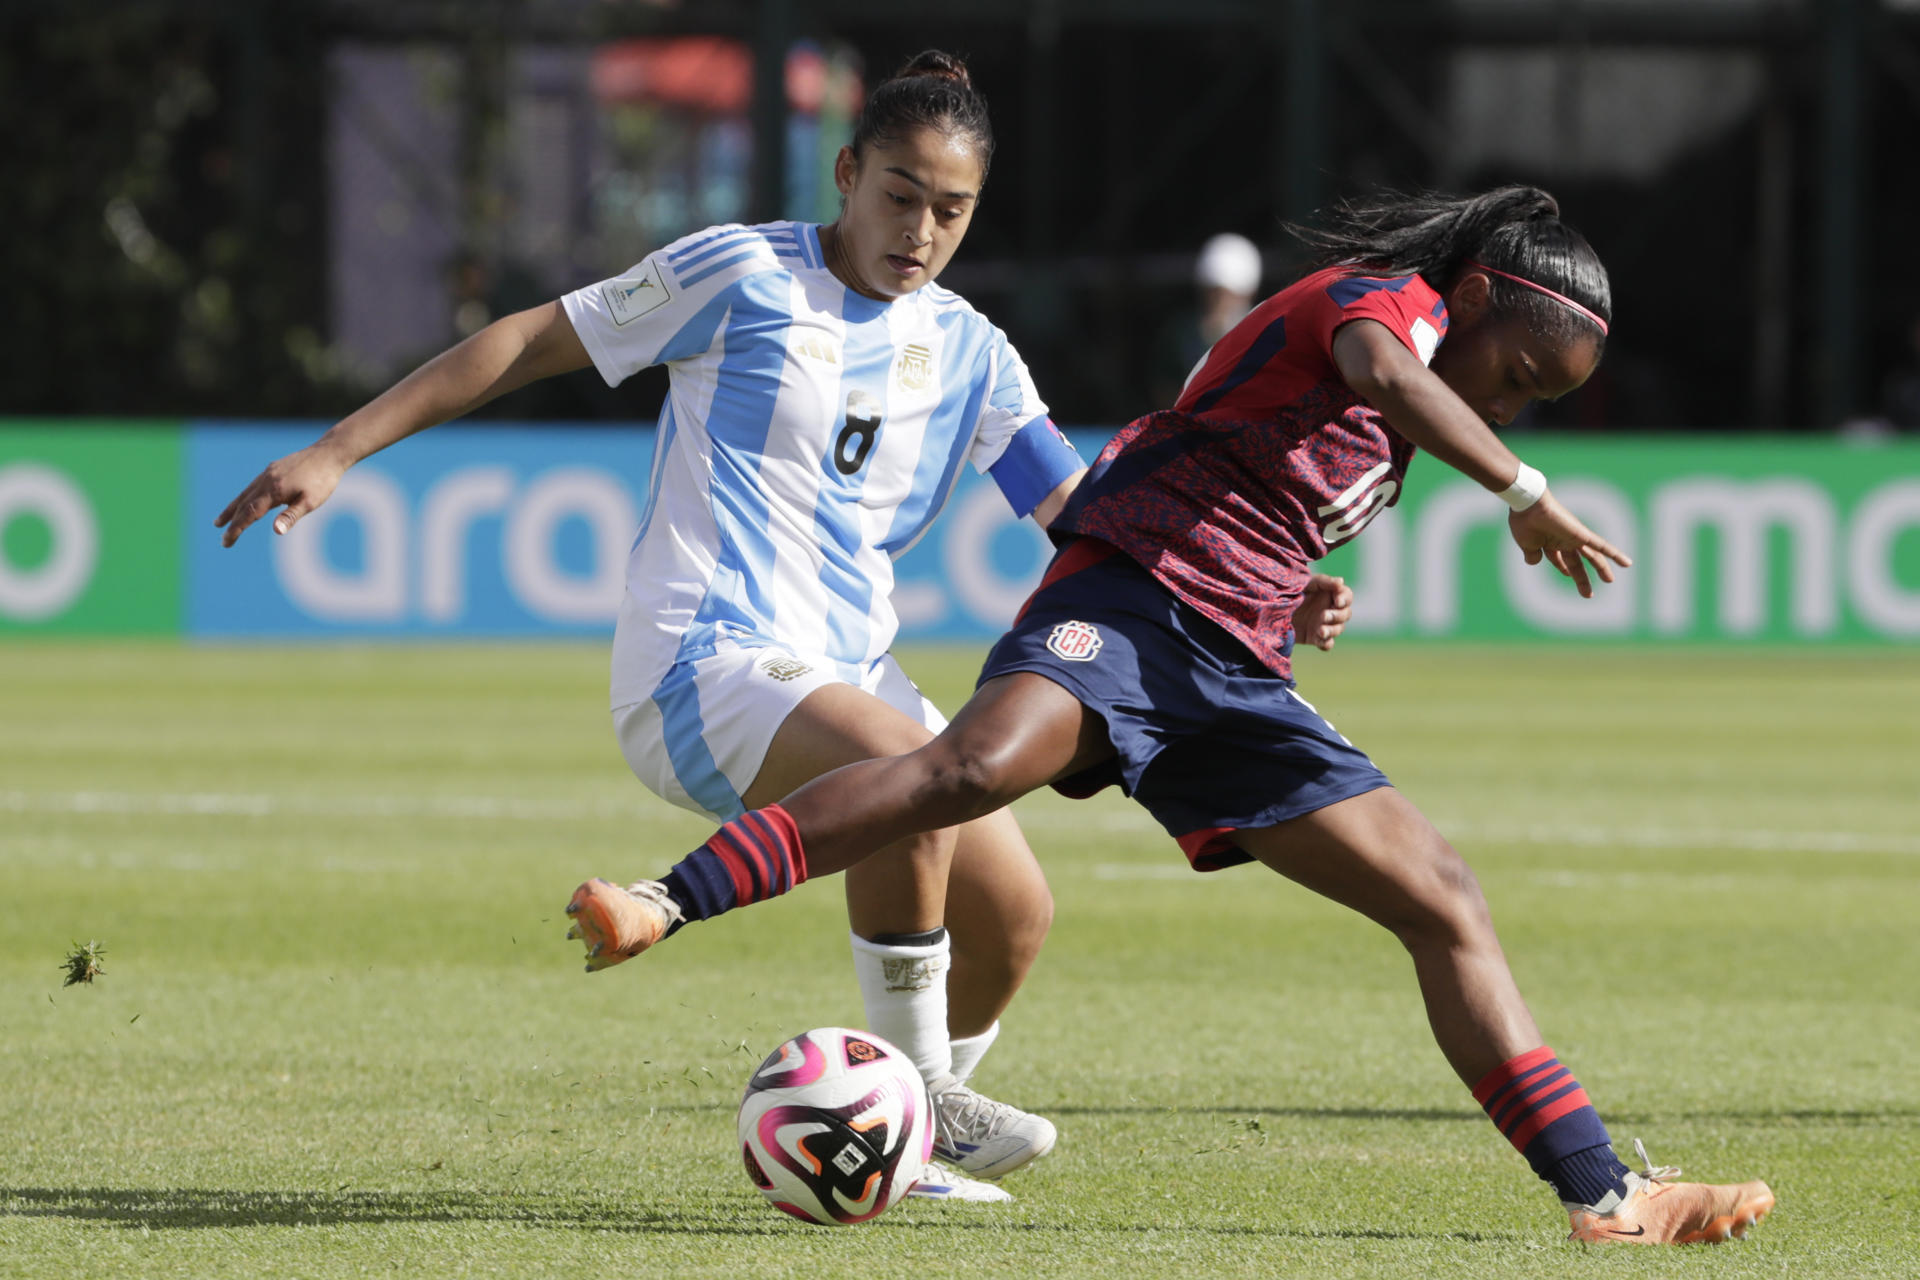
810,436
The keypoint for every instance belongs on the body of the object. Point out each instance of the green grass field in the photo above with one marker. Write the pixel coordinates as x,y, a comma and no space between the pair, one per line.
339,1032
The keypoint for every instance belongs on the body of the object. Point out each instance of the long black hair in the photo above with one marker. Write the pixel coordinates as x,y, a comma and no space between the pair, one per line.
1512,229
930,90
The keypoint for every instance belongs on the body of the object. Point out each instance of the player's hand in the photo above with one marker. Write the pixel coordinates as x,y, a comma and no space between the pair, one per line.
1546,530
1323,611
299,482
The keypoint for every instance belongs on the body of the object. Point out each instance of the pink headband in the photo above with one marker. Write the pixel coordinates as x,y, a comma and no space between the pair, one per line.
1540,288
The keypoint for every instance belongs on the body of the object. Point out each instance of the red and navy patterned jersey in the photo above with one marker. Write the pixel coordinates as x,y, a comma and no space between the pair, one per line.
1268,459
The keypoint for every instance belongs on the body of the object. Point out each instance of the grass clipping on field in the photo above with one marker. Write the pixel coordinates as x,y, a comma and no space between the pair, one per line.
84,963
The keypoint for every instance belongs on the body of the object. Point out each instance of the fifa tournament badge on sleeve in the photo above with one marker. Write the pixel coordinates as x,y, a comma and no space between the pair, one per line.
631,297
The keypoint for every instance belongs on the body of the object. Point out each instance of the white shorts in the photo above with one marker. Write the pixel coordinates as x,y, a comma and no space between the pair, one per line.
700,740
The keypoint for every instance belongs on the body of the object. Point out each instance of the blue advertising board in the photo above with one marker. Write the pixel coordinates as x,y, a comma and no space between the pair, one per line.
519,531
461,531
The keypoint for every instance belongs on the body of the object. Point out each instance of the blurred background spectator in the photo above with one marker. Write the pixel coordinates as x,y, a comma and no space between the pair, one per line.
1226,285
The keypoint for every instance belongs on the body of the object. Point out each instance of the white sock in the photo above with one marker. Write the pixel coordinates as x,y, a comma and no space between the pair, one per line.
967,1052
905,993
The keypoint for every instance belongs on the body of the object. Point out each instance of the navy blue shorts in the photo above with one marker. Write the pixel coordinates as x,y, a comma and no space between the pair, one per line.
1207,738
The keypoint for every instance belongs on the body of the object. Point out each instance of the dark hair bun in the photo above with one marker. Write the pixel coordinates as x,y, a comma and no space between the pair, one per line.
938,63
931,90
1543,205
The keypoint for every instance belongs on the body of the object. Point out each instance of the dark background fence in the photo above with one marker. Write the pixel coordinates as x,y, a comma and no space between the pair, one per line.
258,209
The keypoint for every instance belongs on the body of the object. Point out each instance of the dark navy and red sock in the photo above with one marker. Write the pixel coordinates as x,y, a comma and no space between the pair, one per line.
1545,1114
756,856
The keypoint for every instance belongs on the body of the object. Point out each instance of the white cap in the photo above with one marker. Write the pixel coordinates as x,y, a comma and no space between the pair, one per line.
1228,261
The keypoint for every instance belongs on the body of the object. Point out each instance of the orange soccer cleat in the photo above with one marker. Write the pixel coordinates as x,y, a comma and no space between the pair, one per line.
618,924
1657,1210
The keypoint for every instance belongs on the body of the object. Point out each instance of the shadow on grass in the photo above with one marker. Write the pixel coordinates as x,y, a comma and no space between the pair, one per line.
160,1209
1616,1119
1291,1113
197,1208
1840,1116
1224,1229
1174,1109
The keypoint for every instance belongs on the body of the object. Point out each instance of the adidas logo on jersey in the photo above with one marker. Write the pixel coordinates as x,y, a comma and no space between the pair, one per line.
817,346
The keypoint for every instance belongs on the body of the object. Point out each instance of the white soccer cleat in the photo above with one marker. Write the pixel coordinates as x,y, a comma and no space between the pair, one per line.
985,1138
939,1182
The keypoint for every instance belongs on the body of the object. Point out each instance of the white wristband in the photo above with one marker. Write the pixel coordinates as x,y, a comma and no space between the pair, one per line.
1526,489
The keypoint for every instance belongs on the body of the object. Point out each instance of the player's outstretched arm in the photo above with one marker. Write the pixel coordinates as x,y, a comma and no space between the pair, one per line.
1550,531
1421,407
1425,410
509,353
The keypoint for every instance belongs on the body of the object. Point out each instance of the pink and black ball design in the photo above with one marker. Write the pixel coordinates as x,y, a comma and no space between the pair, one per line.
835,1126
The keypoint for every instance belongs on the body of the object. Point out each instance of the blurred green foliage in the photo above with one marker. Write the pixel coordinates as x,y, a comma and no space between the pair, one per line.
165,208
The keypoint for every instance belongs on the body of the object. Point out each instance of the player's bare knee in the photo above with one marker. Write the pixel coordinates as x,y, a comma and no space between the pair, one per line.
1001,950
1028,928
1042,923
958,783
1445,905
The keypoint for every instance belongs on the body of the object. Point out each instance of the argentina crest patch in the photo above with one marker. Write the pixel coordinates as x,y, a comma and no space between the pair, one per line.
1075,642
914,369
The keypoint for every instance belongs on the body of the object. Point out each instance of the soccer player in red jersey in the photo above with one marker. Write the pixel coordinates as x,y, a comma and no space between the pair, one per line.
1156,652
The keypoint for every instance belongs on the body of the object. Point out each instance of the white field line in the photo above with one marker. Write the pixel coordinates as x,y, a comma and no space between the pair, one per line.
214,863
1711,882
1770,840
1582,835
1175,869
256,805
1116,821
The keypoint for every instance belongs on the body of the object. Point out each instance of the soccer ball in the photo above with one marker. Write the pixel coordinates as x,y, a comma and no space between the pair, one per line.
836,1125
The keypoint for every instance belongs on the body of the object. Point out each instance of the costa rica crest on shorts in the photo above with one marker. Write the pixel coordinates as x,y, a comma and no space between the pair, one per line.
1075,642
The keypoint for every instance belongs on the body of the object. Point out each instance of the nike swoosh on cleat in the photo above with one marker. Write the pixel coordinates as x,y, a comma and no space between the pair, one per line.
1637,1231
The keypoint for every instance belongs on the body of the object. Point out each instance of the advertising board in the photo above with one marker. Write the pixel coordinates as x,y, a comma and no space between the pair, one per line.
504,531
89,528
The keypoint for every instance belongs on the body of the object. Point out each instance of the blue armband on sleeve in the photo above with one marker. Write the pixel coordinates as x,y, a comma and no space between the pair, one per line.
1033,464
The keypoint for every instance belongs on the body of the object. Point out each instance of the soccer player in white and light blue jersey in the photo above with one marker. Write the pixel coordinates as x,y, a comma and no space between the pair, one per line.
824,396
810,437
